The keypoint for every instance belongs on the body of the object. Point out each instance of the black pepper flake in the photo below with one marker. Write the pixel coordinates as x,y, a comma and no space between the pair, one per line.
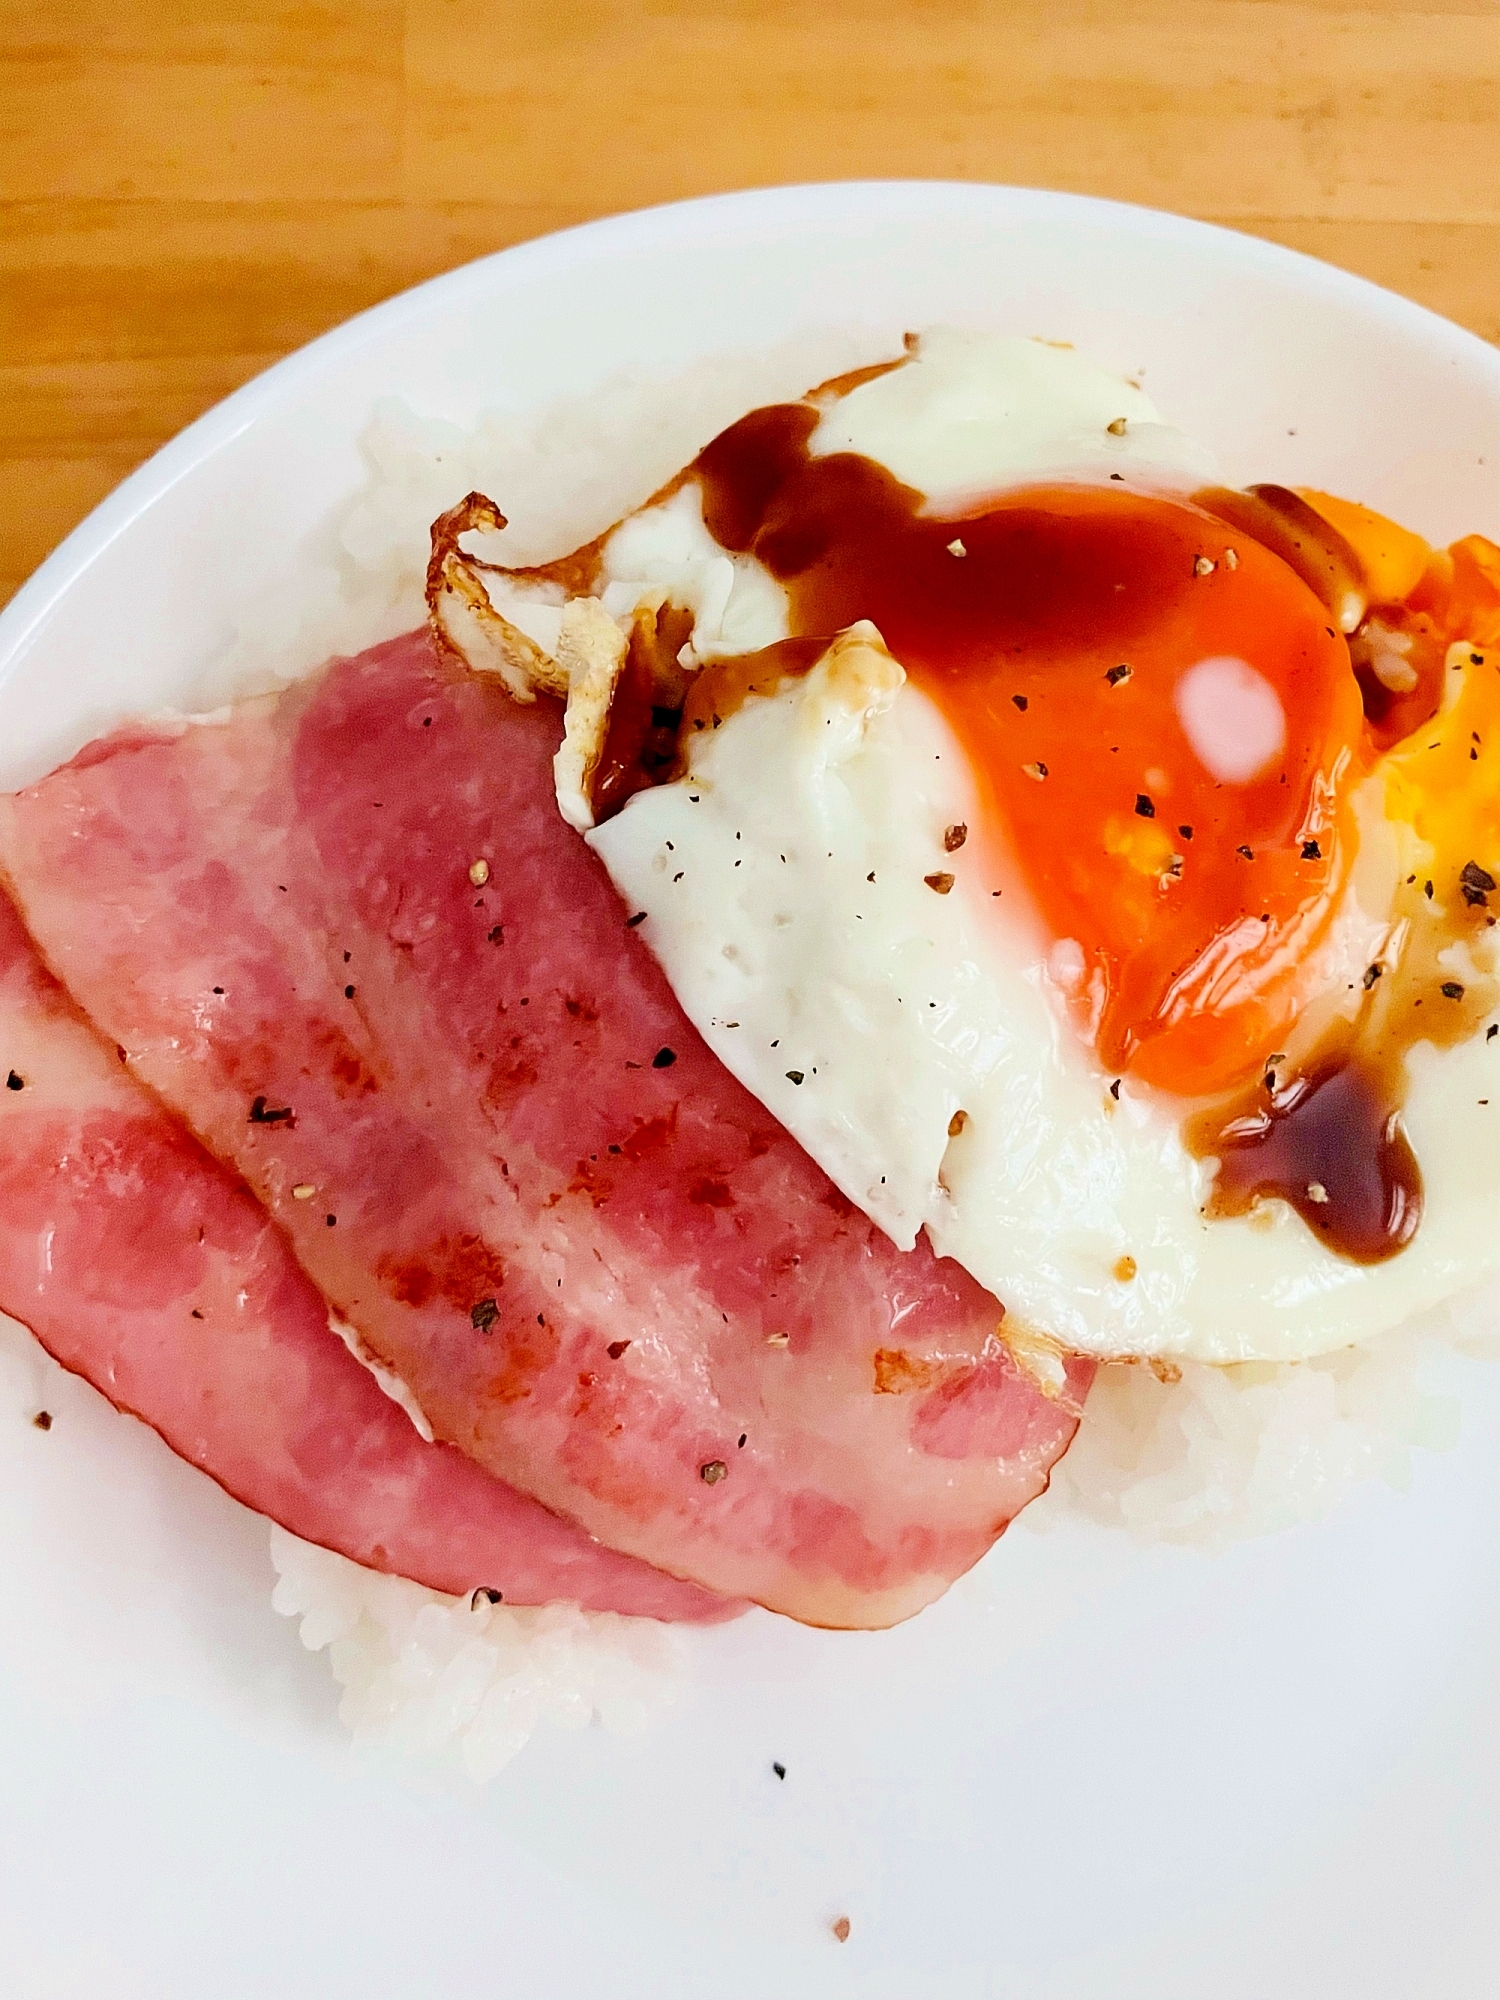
348,992
794,1076
485,1595
260,1115
1452,989
939,883
869,878
42,1421
780,1770
331,1220
1247,853
483,1315
497,935
1476,659
742,1440
1372,973
616,1348
1143,806
1021,702
713,1472
664,1058
196,1314
1492,1031
219,990
630,923
1186,832
1476,883
15,1082
1427,890
1117,674
954,837
1311,851
1114,1090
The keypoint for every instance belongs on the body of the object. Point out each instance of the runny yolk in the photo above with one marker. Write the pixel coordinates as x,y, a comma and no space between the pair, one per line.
1157,709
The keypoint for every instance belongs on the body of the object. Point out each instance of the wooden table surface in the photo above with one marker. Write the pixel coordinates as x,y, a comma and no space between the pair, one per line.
189,188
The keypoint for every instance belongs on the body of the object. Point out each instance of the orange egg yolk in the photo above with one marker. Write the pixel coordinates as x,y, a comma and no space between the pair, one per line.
1163,723
1169,739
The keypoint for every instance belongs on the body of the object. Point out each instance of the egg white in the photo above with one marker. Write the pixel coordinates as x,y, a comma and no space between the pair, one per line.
784,880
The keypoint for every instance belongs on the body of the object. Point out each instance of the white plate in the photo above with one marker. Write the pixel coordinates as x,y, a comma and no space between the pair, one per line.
1094,1771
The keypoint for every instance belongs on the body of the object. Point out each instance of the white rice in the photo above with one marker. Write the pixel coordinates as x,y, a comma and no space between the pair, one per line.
1226,1453
1219,1455
422,1672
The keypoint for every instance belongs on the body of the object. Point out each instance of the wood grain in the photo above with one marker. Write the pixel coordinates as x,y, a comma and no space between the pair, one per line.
189,190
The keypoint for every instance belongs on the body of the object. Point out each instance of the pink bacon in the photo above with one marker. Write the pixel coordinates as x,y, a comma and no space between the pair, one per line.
142,1266
348,937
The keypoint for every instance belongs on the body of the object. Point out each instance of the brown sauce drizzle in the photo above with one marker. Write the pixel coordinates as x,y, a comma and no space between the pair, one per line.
1283,522
1330,1142
645,717
723,686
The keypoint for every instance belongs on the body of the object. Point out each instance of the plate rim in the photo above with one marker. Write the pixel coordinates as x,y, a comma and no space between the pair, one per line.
23,619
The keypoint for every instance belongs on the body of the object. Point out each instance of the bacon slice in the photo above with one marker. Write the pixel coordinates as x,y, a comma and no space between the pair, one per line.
142,1266
348,937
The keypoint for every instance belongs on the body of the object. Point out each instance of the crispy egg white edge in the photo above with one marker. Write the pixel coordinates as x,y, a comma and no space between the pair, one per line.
898,1006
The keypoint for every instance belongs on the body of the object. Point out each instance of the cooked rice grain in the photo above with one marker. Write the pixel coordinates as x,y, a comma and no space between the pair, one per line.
1227,1453
422,1672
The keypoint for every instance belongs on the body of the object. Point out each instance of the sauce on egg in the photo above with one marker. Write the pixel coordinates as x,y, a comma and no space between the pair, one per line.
1160,710
1159,700
1331,1144
1164,715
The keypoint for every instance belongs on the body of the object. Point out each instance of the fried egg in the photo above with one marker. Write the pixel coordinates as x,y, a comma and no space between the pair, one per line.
1090,867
